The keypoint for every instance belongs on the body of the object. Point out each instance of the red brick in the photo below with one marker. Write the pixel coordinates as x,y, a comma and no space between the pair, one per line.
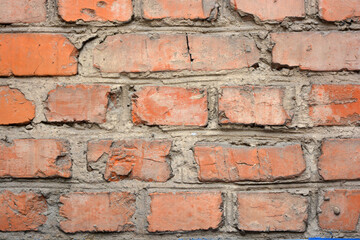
340,210
340,159
22,11
97,212
271,10
15,108
95,10
78,103
312,50
338,10
334,104
143,53
272,212
228,163
186,211
33,54
222,52
133,159
21,212
186,9
170,106
252,105
164,52
35,158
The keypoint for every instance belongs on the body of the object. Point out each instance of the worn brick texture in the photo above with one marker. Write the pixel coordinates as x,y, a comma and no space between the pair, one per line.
179,119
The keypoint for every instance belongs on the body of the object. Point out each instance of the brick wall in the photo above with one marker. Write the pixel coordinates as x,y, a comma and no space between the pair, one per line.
159,119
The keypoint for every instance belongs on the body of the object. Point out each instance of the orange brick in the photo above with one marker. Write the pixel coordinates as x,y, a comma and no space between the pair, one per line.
272,212
133,159
340,159
334,104
170,106
34,54
218,162
95,10
340,210
311,50
271,10
186,9
15,108
78,103
35,158
338,10
97,212
21,212
252,105
186,211
22,11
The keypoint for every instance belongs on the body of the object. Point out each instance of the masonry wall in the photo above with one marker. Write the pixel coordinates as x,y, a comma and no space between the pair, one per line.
155,119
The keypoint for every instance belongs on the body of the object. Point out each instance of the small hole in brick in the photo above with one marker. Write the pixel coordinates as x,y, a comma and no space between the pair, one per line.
101,4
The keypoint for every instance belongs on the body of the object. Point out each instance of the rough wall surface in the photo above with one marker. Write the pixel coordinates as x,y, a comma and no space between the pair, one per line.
159,119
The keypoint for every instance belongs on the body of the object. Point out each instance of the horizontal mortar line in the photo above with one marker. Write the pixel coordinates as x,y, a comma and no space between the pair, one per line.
196,186
174,29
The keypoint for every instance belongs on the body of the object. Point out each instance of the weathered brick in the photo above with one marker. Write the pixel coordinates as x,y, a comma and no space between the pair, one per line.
340,210
338,10
78,103
317,51
252,105
170,106
32,54
97,212
143,53
185,211
15,108
95,10
186,9
271,10
334,104
165,52
22,11
272,212
132,159
35,158
340,159
222,52
21,211
220,162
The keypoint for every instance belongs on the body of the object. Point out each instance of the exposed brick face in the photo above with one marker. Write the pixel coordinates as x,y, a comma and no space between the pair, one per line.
107,10
252,105
164,52
133,159
340,210
186,211
334,104
147,119
22,11
78,103
271,10
226,163
170,106
187,9
272,212
15,108
39,55
35,158
340,159
97,212
338,10
21,211
311,50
